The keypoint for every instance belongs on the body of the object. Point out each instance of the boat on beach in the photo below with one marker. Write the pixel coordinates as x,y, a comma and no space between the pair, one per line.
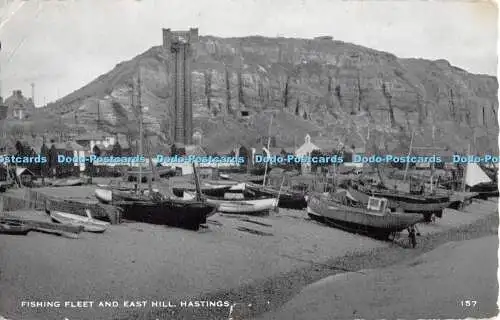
426,204
188,214
156,209
375,219
69,182
476,180
241,202
88,223
209,190
14,228
289,200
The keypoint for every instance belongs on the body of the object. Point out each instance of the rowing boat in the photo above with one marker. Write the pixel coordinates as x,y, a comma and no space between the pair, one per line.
88,223
14,228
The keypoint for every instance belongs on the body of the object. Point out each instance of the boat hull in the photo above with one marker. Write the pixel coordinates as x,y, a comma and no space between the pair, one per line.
287,200
88,224
14,228
244,206
359,220
182,214
213,191
426,206
485,190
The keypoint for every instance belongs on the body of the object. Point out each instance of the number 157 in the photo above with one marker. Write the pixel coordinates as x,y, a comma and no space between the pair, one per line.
468,303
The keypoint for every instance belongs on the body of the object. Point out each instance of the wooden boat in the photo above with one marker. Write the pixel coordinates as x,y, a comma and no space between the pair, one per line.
243,178
189,214
290,200
14,227
478,181
209,190
70,231
485,190
155,209
68,183
375,219
88,223
109,195
133,175
407,202
236,202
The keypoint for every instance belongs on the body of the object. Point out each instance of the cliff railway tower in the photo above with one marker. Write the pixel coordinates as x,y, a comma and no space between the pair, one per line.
178,46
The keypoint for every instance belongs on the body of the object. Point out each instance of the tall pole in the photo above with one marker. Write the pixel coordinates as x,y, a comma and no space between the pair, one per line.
268,146
33,93
432,164
139,105
409,154
464,181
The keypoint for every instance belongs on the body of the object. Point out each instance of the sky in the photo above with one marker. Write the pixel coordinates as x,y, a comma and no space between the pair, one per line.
61,45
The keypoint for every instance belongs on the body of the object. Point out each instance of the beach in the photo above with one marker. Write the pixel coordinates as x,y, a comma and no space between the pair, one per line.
457,280
259,261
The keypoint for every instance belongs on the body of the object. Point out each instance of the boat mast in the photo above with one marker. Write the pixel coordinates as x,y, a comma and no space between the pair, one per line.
139,102
197,183
409,154
464,182
432,164
268,146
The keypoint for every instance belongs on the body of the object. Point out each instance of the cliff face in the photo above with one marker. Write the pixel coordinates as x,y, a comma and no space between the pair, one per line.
323,87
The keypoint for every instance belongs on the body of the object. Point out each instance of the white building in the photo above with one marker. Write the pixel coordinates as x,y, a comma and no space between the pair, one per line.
89,141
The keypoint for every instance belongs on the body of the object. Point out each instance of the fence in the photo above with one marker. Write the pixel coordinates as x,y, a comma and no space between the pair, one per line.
39,201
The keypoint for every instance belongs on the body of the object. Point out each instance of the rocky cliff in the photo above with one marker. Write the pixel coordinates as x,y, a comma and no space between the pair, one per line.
340,91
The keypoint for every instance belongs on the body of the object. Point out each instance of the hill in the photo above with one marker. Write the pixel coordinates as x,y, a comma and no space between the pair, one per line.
318,86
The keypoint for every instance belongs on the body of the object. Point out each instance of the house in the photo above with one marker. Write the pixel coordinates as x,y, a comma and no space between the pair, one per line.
25,176
90,140
78,151
19,107
3,110
305,150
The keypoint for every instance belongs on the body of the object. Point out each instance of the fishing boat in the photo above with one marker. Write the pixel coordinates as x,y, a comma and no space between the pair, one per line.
88,223
157,209
289,200
133,175
189,214
229,204
426,204
109,195
69,182
209,190
477,181
14,227
375,219
240,199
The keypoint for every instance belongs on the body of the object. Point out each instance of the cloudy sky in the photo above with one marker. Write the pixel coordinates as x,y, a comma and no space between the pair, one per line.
62,45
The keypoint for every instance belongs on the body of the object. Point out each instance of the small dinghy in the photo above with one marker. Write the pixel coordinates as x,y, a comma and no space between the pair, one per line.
69,183
14,228
104,195
88,223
